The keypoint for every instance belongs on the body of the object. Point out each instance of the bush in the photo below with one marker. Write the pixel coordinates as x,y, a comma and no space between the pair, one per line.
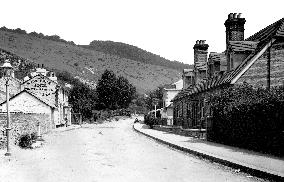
26,140
249,118
150,120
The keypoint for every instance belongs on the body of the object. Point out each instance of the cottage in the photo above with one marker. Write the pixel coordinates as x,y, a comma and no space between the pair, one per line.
257,60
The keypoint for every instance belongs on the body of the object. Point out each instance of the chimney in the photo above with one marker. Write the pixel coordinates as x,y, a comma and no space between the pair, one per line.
234,28
187,78
200,60
234,32
42,65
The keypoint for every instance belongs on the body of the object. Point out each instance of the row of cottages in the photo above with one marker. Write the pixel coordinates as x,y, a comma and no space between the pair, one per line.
38,93
257,60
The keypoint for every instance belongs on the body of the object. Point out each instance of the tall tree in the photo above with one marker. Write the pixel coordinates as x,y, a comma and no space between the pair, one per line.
126,92
107,91
83,100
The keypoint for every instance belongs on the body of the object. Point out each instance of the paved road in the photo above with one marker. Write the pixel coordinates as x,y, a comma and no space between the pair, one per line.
109,152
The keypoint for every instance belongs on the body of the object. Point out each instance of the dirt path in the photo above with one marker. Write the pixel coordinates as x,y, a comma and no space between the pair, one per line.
108,152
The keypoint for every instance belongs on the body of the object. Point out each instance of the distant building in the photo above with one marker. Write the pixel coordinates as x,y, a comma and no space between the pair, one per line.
169,92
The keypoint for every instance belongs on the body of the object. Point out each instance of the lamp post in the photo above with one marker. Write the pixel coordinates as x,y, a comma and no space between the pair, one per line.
7,71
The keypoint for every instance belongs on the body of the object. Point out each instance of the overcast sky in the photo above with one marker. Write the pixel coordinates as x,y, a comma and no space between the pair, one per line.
168,28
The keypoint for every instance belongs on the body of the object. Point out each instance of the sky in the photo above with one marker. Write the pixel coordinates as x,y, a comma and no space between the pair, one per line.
168,28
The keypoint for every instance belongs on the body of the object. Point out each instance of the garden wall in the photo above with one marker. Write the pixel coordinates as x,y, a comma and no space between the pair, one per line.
23,123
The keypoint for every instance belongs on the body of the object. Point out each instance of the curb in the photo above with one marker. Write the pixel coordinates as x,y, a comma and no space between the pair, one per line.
253,172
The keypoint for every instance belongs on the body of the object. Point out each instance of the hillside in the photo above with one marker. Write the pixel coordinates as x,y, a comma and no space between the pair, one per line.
86,64
134,53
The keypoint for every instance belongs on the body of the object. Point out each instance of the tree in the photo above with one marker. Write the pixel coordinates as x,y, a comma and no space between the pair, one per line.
107,91
114,93
83,100
158,94
126,92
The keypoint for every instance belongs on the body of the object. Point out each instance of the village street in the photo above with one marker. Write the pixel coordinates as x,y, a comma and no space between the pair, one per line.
109,152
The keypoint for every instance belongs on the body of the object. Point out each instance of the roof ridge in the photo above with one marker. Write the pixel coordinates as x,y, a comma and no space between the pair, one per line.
265,29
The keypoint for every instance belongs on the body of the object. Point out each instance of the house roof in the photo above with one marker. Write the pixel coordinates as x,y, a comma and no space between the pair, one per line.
240,46
257,44
48,104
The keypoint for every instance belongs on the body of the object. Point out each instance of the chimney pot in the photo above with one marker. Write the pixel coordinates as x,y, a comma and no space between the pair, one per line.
231,16
38,65
41,65
239,15
197,42
235,15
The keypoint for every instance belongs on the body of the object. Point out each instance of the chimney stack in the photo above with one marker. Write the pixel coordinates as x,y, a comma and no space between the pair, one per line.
200,60
234,32
234,28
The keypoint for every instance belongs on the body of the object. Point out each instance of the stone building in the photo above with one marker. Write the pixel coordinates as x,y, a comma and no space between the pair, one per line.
257,60
39,95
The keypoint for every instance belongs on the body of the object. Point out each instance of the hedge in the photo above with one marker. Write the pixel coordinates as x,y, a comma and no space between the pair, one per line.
249,118
150,120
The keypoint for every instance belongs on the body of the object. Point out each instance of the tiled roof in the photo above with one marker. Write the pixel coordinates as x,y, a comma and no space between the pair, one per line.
275,29
239,46
262,39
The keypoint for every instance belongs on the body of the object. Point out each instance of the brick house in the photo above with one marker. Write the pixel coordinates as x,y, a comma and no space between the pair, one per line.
257,60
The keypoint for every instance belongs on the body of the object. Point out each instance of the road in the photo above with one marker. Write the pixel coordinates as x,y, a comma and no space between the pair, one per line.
109,152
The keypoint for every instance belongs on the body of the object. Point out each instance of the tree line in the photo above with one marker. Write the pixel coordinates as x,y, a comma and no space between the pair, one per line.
38,35
111,93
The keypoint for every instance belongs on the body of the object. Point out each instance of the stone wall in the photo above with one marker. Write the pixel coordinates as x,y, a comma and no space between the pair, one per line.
24,123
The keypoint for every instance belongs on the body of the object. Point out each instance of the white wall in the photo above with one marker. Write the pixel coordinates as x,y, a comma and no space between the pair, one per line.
168,95
179,84
26,103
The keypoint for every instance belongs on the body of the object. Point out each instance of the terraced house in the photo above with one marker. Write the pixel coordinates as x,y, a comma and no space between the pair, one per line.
257,60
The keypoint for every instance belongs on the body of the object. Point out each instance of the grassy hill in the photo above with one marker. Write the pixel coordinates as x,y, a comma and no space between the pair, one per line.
88,64
134,53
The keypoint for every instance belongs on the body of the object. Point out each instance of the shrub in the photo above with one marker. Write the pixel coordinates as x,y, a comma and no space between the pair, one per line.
249,118
26,140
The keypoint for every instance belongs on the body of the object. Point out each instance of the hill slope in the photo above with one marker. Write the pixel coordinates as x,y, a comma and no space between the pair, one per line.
134,53
86,64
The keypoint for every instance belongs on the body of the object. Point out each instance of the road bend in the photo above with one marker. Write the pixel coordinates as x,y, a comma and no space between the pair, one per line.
110,152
